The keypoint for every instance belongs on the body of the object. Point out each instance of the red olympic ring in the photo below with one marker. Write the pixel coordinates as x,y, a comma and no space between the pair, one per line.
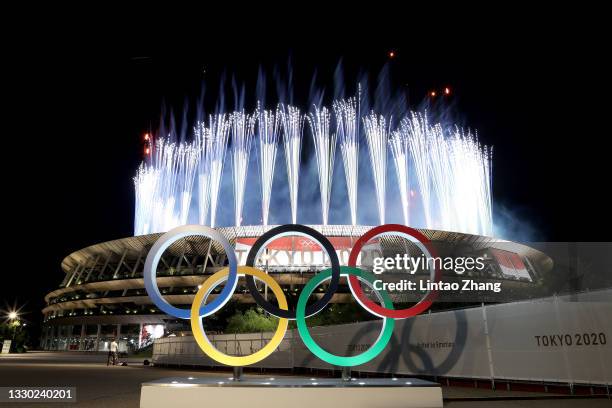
355,285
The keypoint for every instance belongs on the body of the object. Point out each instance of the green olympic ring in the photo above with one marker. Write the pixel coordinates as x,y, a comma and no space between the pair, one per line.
300,318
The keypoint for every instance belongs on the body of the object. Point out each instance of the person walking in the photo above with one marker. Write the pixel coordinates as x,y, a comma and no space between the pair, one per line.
112,353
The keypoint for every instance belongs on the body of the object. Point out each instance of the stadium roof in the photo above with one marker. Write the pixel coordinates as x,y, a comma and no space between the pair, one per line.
199,245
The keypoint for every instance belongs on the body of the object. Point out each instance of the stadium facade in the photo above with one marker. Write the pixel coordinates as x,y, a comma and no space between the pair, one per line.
102,295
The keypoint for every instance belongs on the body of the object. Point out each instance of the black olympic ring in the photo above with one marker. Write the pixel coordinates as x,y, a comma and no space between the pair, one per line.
302,230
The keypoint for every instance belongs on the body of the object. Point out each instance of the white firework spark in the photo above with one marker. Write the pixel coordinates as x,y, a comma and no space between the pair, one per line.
242,129
441,177
268,129
377,135
187,156
219,132
451,167
202,135
347,120
159,184
163,198
470,174
399,149
325,148
293,126
457,168
415,127
145,184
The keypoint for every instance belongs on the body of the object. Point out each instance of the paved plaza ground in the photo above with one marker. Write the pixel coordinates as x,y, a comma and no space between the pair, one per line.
101,386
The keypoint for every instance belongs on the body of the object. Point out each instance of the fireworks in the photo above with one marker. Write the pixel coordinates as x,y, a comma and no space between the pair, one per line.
188,160
145,183
202,139
325,149
439,161
158,184
469,170
450,170
218,131
293,126
242,129
377,136
268,126
457,168
415,128
346,113
399,148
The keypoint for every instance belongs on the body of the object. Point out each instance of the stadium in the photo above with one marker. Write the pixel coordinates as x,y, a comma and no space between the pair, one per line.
103,295
440,176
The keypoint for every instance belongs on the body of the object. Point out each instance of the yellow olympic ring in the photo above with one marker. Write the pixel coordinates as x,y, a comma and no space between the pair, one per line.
200,334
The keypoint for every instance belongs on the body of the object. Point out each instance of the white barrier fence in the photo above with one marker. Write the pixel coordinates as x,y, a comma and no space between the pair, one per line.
557,339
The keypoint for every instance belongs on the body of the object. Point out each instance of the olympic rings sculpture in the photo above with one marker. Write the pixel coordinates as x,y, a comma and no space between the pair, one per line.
230,275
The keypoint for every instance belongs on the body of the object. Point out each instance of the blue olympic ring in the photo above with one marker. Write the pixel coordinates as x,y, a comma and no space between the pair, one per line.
150,270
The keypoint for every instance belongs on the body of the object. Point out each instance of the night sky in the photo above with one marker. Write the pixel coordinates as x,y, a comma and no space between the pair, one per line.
79,121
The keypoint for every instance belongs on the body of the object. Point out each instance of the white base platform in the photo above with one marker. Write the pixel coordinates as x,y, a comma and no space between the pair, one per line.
292,392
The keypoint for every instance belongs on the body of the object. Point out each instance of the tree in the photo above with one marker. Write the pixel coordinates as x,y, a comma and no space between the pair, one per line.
251,321
13,330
